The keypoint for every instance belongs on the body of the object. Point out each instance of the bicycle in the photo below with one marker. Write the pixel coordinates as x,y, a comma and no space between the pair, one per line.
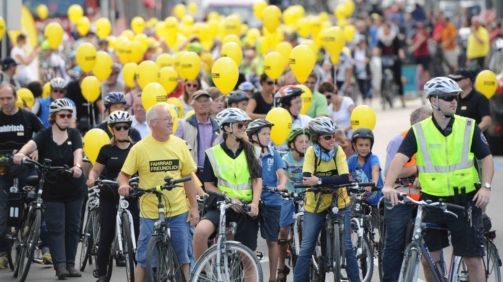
29,237
389,89
160,248
91,229
295,237
225,258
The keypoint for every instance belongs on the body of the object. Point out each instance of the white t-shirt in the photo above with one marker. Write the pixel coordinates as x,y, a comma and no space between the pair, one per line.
342,117
345,62
360,66
24,73
141,127
58,66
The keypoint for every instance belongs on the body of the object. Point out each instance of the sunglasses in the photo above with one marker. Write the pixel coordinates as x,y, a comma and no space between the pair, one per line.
327,137
241,125
58,90
448,98
119,127
193,85
270,82
65,116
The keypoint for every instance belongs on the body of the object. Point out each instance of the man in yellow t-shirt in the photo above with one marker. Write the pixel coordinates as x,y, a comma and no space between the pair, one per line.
478,43
156,156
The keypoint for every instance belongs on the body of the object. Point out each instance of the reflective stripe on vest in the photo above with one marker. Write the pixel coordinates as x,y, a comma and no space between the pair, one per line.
232,174
445,162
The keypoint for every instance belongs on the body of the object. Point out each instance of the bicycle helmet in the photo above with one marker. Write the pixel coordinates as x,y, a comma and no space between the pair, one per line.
236,97
116,67
60,105
285,94
58,83
119,117
231,115
362,132
323,125
441,86
246,86
293,135
114,98
254,127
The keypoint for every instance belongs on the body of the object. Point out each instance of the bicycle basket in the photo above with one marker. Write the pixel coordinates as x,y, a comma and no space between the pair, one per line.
387,61
15,209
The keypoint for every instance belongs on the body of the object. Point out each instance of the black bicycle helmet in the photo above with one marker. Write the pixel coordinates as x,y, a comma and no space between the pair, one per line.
363,132
254,127
236,97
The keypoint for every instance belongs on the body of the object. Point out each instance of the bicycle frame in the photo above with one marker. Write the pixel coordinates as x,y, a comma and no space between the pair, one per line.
123,208
297,217
93,202
221,240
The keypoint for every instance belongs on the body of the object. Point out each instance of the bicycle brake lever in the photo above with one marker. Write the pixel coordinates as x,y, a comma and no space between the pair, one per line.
451,213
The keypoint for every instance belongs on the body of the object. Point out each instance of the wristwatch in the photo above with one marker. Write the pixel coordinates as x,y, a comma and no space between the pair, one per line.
487,186
319,181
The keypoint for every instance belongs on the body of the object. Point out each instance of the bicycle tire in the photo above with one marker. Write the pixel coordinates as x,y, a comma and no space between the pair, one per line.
380,250
12,249
365,259
411,262
205,263
491,266
30,243
95,221
85,249
337,245
171,270
127,247
110,265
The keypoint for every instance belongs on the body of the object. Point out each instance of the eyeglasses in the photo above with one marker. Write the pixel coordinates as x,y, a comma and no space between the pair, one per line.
65,116
448,98
123,127
59,90
270,82
327,137
241,125
193,85
165,119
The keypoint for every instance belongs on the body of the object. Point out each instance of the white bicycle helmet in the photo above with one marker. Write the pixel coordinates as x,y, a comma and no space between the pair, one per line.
60,105
119,117
58,83
441,86
323,125
231,115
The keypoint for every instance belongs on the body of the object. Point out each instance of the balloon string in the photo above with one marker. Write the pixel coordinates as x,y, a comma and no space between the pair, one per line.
88,112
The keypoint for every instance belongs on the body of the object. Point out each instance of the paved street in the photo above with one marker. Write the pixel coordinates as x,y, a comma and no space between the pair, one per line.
389,123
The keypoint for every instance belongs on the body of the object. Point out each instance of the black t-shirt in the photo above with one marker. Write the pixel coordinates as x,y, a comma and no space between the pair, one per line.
74,92
14,131
474,106
209,174
133,133
113,158
262,107
480,147
59,187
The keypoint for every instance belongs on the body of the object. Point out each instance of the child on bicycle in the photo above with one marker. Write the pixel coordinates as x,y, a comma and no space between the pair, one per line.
273,175
298,142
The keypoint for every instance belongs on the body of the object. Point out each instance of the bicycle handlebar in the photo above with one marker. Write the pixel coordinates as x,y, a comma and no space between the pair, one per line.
100,182
47,165
352,185
221,197
440,204
169,185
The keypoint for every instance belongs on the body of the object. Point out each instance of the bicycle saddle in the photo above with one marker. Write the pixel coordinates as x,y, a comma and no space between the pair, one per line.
32,180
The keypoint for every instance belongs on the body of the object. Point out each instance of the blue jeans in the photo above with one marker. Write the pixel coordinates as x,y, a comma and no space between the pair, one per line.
310,229
63,230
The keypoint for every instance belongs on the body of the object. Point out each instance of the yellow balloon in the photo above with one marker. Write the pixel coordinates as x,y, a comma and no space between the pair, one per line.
143,39
265,45
225,74
271,17
26,95
274,65
191,65
103,67
178,65
258,9
302,62
152,94
103,28
303,27
333,42
342,23
111,42
232,38
19,103
46,90
138,24
171,24
192,8
349,8
75,12
306,97
53,33
340,12
42,11
179,10
178,104
92,143
91,88
324,16
252,34
363,116
128,74
232,25
152,22
86,56
83,25
122,50
129,34
284,48
187,30
289,16
349,32
189,113
486,83
275,38
213,16
244,29
135,51
188,20
147,72
164,60
168,78
233,51
315,25
282,121
174,114
2,29
309,43
299,11
160,29
213,28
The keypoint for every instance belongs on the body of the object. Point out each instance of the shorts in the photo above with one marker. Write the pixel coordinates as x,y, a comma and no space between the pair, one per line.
424,61
270,216
180,237
467,241
287,212
247,227
451,57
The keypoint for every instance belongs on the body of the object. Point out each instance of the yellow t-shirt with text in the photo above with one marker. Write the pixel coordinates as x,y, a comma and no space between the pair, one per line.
154,160
330,168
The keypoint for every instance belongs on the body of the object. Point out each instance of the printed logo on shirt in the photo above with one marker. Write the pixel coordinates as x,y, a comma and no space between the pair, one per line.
463,108
114,158
20,133
11,128
332,172
483,138
69,143
164,165
270,164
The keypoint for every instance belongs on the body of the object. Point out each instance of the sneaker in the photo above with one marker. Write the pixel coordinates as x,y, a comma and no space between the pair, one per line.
62,273
46,256
102,279
120,261
73,272
3,261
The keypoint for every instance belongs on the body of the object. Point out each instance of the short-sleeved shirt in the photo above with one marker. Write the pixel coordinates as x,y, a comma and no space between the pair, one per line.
13,129
474,49
262,107
271,163
113,158
363,173
447,33
293,170
61,188
334,167
154,160
474,106
318,105
74,92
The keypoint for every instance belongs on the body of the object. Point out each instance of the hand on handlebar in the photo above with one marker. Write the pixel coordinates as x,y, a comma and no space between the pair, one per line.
310,181
390,194
34,156
281,188
77,171
124,190
253,209
237,208
90,182
18,158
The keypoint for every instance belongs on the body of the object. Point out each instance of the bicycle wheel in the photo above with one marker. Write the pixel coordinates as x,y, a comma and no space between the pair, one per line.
111,257
127,247
364,256
31,233
162,262
380,253
231,266
412,259
491,263
13,240
95,223
87,243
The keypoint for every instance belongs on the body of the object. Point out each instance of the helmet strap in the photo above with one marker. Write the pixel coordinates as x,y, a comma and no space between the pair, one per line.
437,107
298,152
123,141
60,128
232,133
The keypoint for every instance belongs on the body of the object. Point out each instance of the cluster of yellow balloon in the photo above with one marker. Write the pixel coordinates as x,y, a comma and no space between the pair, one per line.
363,116
486,83
92,143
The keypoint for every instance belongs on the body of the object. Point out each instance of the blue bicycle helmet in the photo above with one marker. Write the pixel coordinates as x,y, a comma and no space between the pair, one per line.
114,98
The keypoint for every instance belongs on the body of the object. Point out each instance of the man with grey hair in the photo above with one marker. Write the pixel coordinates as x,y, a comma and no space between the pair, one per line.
156,156
477,46
397,218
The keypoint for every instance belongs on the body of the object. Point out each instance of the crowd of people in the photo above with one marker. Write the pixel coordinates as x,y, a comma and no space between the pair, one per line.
225,143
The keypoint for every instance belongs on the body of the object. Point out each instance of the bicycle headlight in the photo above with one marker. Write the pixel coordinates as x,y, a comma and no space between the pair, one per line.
124,204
